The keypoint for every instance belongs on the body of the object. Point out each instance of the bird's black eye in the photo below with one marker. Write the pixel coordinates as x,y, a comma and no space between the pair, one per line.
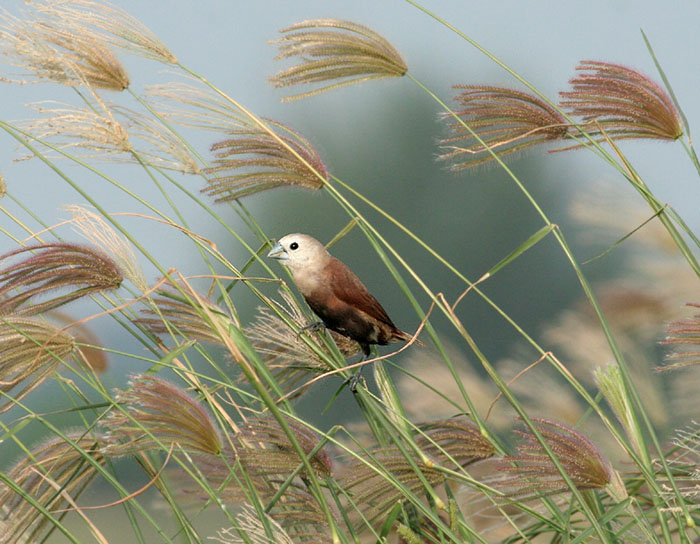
293,245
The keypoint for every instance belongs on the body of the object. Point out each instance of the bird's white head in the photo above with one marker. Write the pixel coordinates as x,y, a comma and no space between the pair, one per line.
299,252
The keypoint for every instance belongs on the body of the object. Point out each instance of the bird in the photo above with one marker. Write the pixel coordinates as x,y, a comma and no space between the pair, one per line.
336,295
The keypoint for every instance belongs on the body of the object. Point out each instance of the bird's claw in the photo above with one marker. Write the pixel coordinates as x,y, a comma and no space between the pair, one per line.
314,326
353,380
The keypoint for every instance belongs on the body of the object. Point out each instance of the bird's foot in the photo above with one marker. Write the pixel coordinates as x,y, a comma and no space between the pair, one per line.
353,380
314,326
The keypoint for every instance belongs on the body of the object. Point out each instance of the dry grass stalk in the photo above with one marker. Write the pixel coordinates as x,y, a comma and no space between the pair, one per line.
55,464
30,351
289,357
261,162
52,267
62,53
112,24
334,50
506,120
623,102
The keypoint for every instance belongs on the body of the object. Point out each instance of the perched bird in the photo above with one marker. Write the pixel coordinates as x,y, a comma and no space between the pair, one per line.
335,294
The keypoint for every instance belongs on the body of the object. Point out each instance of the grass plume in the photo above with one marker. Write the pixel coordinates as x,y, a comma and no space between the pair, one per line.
335,50
532,470
253,527
623,102
54,51
684,336
155,144
100,233
51,471
191,105
30,351
185,316
290,359
155,410
612,386
259,459
453,444
265,433
112,24
685,460
108,132
506,120
260,163
47,268
94,131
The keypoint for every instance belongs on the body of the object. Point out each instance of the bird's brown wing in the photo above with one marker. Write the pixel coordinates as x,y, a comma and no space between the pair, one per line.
348,288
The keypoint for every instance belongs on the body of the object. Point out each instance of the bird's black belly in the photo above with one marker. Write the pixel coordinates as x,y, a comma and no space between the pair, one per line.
351,323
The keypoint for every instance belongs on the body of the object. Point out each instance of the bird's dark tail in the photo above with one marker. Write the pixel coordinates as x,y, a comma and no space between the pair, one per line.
397,335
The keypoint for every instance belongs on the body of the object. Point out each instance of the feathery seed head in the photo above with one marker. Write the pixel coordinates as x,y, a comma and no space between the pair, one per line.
162,148
533,471
684,333
55,51
113,133
185,316
685,464
100,233
505,119
331,50
449,442
254,529
454,440
262,162
192,105
30,351
93,131
287,356
112,24
261,455
51,267
612,386
155,410
265,449
51,466
624,102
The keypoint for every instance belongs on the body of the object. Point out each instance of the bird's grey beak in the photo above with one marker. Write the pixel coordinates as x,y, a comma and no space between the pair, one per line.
278,252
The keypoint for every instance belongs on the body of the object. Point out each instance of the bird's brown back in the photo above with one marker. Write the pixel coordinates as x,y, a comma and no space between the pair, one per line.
346,306
348,288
